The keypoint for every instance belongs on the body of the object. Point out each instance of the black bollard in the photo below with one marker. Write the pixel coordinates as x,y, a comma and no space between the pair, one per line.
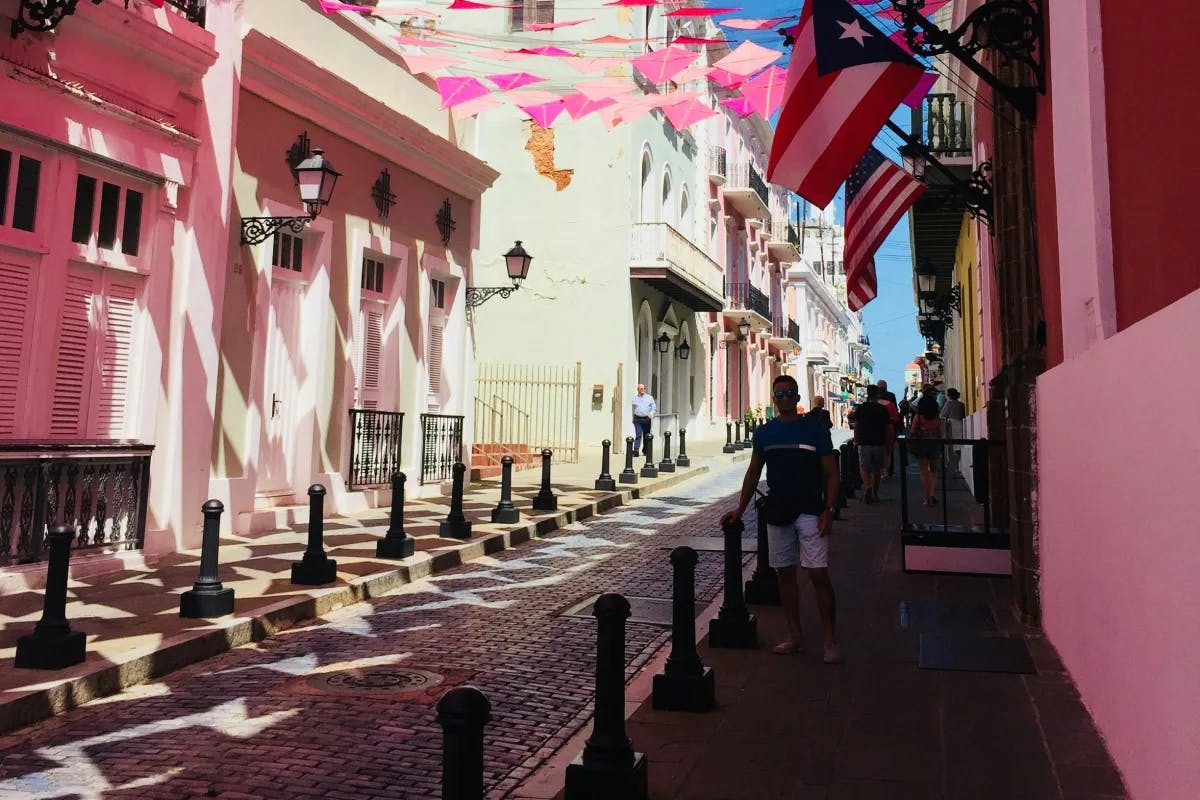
396,543
685,684
53,645
683,460
605,482
666,465
848,461
733,626
505,511
545,499
455,525
728,448
462,712
648,469
608,768
628,475
751,424
841,503
316,568
763,587
208,598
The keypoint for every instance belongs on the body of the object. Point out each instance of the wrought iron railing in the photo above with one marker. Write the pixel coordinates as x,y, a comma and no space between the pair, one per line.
100,488
375,446
759,186
441,446
794,236
793,330
749,297
943,124
716,162
192,10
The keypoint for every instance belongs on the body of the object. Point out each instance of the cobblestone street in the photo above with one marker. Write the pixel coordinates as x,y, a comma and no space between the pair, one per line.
344,707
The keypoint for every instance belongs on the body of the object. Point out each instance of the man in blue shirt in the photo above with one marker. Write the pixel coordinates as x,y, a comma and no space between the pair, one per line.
802,476
643,412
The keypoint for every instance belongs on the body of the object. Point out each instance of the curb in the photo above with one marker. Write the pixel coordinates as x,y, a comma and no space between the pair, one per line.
24,707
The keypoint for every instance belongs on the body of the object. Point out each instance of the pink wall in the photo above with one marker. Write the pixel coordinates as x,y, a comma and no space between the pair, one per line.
1120,551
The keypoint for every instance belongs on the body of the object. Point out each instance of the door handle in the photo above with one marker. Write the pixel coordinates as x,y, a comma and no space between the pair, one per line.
275,404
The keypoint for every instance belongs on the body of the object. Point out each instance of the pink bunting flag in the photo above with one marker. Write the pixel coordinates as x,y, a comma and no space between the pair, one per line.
547,50
501,55
692,11
469,5
477,106
632,3
403,11
544,114
725,78
659,66
931,7
420,63
740,105
610,39
765,90
604,89
748,58
330,6
754,24
917,95
900,39
579,105
687,113
634,108
457,90
695,40
530,97
513,80
549,26
692,74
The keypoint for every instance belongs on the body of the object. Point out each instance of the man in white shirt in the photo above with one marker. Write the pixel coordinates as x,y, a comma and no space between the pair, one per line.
643,411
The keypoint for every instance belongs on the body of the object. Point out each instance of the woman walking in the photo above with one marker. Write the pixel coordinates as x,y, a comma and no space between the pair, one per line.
923,434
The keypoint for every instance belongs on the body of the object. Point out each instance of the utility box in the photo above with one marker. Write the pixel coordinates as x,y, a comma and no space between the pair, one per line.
597,397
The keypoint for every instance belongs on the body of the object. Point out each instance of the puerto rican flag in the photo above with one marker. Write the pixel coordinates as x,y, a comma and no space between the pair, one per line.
878,192
843,82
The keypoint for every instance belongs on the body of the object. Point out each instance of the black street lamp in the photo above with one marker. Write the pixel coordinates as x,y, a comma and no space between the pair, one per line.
683,350
516,261
317,178
744,328
926,280
663,343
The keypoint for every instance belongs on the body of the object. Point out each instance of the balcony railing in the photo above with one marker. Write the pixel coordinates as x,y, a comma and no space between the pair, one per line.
441,446
748,297
744,175
943,125
192,10
794,237
716,165
659,244
375,446
793,330
99,488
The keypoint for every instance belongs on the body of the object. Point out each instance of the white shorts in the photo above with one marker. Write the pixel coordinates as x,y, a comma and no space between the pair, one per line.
802,536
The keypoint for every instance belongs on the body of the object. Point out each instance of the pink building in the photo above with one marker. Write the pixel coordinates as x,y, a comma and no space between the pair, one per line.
150,360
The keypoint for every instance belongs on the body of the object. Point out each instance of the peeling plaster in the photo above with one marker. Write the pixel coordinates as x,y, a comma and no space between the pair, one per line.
541,147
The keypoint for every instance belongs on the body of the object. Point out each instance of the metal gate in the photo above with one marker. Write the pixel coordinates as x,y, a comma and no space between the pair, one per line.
534,405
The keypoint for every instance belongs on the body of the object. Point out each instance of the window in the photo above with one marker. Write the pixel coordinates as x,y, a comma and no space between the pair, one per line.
119,209
666,199
526,12
372,277
287,252
435,343
437,293
20,177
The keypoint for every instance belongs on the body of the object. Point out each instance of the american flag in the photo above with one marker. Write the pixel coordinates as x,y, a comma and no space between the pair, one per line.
878,193
843,82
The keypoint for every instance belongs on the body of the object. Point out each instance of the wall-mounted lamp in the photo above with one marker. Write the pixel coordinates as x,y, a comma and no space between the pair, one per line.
683,350
516,261
317,178
43,15
663,343
744,328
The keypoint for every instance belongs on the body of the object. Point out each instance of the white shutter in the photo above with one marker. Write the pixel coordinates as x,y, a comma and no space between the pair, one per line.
372,346
15,291
112,395
74,360
434,357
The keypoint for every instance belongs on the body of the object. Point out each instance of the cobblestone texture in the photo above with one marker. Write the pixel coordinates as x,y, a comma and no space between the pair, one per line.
247,724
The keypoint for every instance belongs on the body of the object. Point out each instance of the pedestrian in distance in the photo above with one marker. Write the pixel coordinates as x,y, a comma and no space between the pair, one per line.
888,401
872,434
924,443
818,414
954,411
643,413
802,480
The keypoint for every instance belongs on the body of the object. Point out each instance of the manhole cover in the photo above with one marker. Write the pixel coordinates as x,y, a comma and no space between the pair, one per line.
375,680
652,610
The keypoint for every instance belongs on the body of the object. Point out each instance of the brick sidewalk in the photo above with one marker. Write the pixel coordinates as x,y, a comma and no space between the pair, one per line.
131,616
876,727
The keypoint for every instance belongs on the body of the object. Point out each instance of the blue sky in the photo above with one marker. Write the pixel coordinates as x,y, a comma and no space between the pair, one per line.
890,320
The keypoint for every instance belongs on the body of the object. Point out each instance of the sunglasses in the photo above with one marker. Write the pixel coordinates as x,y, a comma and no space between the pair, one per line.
780,394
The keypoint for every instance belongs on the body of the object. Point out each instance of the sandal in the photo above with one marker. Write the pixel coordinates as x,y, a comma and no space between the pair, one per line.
787,647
